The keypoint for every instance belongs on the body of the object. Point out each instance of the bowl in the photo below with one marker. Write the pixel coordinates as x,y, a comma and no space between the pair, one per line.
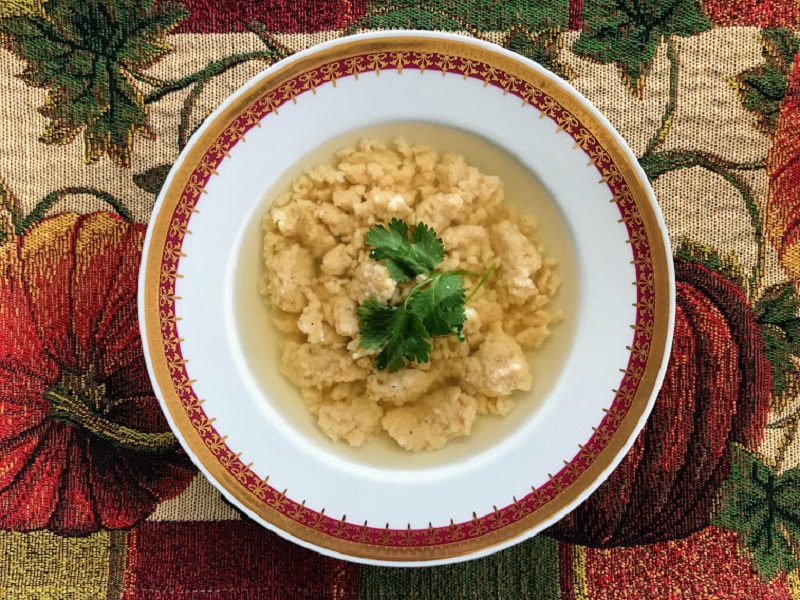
213,353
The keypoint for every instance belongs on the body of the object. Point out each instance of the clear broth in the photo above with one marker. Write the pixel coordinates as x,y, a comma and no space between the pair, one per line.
260,341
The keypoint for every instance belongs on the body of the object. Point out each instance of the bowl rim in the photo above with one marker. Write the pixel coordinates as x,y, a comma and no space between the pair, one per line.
647,390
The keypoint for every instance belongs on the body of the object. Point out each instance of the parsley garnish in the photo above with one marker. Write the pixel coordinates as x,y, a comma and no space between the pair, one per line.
405,258
432,308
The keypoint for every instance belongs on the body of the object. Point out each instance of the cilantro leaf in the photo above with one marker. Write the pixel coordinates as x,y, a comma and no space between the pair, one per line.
400,332
440,305
405,258
433,307
376,320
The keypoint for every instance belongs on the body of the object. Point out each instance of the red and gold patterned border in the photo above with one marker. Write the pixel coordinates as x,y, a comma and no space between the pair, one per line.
349,59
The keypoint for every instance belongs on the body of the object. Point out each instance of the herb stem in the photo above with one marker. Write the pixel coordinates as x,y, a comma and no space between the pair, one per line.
482,280
420,285
436,276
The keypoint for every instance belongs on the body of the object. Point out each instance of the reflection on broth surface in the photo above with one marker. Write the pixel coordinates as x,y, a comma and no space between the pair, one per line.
319,271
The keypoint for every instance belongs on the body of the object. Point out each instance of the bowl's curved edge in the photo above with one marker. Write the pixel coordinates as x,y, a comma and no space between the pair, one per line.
142,309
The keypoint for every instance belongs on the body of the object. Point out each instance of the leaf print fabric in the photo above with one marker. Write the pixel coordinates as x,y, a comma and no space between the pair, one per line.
96,500
89,54
627,32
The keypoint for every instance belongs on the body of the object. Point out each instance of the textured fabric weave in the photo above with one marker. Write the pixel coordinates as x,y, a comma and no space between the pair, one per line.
100,96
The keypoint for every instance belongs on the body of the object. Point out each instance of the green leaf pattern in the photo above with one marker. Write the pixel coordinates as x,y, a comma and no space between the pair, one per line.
628,32
92,56
763,508
777,312
762,88
88,55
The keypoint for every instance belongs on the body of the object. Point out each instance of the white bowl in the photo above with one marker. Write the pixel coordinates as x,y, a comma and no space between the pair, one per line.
213,354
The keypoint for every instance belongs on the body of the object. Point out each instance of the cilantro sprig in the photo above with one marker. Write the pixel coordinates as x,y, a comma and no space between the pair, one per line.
405,258
433,307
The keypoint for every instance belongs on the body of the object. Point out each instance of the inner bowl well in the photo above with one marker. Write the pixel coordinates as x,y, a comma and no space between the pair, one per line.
260,342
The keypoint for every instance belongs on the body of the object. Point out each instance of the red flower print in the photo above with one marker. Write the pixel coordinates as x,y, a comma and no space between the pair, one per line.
783,169
83,442
767,14
716,392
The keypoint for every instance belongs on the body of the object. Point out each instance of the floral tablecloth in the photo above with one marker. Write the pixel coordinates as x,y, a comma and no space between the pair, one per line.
99,97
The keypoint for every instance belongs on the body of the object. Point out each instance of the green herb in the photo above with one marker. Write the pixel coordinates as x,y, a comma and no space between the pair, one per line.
397,330
406,258
433,307
440,304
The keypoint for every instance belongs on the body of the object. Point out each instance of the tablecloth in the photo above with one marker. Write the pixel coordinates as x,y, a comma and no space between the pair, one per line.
98,97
